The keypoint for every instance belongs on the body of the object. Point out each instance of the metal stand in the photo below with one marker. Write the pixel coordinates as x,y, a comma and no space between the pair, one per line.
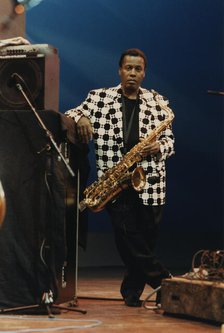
71,265
46,305
74,301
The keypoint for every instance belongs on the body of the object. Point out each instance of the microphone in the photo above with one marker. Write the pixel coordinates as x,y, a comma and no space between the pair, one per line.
212,92
17,81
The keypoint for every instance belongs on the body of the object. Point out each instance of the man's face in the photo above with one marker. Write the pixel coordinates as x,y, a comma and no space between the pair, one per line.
132,72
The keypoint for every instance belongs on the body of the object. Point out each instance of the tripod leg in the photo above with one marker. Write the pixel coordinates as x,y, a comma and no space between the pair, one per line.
69,308
19,308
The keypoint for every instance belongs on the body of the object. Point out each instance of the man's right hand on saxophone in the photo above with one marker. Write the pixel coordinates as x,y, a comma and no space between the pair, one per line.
152,148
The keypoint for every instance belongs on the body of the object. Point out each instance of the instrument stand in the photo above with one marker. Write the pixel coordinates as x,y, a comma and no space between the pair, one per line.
74,301
47,297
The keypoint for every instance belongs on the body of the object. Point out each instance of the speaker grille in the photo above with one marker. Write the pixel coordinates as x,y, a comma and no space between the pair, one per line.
31,70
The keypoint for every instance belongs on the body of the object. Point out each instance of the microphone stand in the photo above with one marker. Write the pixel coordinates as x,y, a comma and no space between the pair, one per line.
213,92
47,297
47,132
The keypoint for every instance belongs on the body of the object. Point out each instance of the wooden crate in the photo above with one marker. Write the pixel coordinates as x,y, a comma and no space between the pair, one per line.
196,298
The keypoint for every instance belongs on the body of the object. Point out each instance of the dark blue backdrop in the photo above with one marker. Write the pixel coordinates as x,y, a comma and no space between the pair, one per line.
184,44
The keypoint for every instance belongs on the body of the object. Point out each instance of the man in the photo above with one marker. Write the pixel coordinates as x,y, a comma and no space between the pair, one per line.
118,118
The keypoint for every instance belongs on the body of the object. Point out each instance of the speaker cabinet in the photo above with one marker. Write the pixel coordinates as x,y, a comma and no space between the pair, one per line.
38,68
32,234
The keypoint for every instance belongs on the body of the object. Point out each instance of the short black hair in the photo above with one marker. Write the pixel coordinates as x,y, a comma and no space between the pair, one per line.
135,53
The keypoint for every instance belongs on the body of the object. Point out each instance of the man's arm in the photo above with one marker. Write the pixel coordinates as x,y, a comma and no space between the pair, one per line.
81,115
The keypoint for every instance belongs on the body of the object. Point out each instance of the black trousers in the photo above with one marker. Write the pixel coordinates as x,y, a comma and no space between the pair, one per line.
136,229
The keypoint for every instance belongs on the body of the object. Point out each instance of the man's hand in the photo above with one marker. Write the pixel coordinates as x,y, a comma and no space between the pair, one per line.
84,130
151,149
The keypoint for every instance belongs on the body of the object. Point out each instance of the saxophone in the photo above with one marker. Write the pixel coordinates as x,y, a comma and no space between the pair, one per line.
118,178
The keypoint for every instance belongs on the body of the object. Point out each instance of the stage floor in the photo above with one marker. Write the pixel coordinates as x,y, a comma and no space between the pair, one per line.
97,292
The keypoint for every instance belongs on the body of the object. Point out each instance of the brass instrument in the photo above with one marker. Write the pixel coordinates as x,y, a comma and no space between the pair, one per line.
2,204
117,178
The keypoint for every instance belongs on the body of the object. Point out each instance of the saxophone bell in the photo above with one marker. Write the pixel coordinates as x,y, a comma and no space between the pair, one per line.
135,178
138,179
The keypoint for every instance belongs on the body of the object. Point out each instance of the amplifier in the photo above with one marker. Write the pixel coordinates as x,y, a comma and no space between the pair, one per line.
195,298
38,66
29,50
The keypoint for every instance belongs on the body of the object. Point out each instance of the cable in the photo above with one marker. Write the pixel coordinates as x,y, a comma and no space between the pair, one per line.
93,323
155,307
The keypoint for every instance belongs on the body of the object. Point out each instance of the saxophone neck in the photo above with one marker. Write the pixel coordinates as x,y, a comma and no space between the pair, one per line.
170,114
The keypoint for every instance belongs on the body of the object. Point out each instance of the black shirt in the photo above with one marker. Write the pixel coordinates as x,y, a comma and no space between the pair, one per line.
130,112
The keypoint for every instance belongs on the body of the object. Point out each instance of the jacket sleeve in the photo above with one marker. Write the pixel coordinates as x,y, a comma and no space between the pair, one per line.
85,109
166,141
166,137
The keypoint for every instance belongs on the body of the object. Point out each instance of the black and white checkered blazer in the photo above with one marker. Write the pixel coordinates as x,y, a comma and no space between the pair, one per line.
104,109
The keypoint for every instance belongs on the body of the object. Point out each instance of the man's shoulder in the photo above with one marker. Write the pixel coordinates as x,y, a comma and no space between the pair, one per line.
106,92
151,94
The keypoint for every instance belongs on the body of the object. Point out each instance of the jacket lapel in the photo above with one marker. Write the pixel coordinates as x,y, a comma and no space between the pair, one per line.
146,116
115,112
